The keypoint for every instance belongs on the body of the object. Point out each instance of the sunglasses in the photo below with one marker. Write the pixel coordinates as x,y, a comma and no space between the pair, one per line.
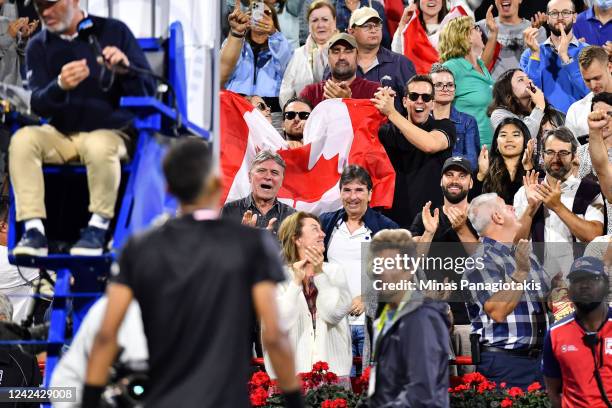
291,115
414,96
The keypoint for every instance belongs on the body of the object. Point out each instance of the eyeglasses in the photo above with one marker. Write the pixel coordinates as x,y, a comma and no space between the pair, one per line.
371,26
442,85
563,13
560,153
262,106
291,115
414,96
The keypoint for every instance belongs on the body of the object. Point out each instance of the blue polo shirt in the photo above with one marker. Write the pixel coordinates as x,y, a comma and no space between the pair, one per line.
561,83
587,26
391,69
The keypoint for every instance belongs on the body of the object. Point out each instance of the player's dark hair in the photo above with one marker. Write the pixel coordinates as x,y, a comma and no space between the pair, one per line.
187,166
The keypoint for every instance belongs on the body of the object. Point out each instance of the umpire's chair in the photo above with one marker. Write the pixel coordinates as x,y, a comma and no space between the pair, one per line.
80,281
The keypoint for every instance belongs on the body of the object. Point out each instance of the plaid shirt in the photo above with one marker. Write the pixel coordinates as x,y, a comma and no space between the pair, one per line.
526,325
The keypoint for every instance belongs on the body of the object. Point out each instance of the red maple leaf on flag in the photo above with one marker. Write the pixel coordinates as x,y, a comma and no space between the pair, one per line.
299,182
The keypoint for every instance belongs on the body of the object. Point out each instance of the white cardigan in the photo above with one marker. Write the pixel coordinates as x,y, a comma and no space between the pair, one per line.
306,67
331,342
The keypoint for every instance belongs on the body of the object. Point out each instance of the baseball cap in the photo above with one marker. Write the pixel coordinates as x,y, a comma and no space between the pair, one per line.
586,266
362,15
342,37
457,161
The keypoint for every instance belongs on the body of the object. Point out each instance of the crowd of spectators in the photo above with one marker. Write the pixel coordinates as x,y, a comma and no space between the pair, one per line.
506,139
489,118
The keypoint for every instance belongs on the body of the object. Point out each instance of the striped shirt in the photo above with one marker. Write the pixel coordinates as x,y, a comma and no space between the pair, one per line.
526,325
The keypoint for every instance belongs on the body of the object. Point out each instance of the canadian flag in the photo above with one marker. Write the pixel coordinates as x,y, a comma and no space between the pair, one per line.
419,47
339,132
393,10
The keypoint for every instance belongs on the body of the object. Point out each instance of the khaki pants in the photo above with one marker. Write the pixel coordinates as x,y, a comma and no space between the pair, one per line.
100,151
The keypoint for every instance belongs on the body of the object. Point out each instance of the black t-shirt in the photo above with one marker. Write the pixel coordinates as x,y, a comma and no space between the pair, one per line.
445,244
193,281
18,369
417,174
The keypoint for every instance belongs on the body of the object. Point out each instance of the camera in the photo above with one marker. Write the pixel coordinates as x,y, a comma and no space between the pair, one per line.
128,385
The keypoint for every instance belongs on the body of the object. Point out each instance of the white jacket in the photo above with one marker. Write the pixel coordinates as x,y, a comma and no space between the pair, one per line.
305,67
331,342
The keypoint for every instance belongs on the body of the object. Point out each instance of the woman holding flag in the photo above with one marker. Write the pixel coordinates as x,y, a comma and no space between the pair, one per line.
418,32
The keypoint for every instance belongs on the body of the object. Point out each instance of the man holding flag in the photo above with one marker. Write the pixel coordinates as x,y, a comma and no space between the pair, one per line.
339,132
417,145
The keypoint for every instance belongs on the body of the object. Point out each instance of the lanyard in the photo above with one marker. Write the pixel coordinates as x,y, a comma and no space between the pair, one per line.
381,325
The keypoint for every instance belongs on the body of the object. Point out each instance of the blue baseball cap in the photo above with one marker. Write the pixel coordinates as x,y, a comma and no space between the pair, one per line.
587,266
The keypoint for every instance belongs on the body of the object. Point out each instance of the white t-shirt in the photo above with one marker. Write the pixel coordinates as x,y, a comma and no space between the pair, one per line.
10,274
559,257
72,368
576,118
345,249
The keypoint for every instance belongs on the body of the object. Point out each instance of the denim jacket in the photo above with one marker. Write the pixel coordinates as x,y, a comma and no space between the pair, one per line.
263,76
468,138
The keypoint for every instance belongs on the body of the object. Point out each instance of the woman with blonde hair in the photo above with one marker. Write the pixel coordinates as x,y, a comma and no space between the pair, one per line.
310,60
314,301
460,48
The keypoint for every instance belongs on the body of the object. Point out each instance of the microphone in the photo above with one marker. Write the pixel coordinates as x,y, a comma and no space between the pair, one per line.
86,32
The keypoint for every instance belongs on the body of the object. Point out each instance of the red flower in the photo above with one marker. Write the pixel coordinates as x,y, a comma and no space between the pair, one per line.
337,403
327,404
515,392
506,403
320,366
330,377
259,397
260,379
462,387
365,376
474,378
450,389
486,385
502,385
340,403
534,387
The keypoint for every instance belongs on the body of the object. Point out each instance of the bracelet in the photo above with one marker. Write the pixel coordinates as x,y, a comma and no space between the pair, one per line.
237,35
59,82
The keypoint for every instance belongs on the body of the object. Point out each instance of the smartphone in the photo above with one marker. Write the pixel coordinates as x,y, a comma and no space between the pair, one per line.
257,12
